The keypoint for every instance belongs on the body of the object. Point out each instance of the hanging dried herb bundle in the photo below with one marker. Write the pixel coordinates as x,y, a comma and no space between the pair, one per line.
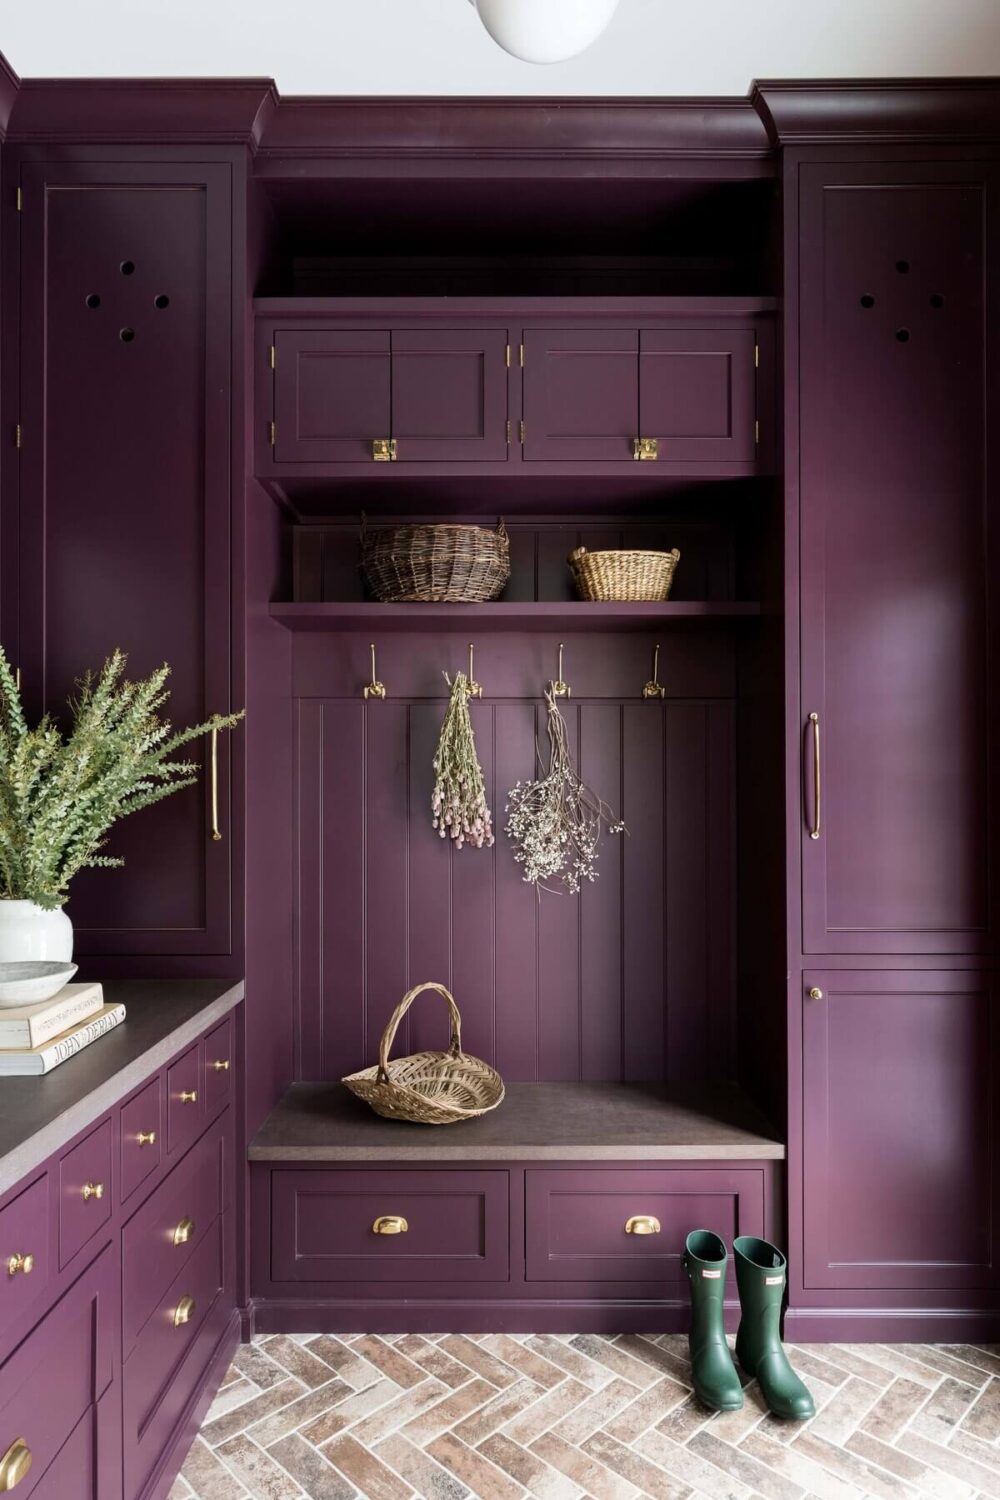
555,822
459,799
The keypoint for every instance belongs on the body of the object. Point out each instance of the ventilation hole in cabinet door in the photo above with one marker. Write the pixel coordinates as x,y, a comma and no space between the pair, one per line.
161,301
127,267
937,300
126,335
93,300
902,266
867,300
902,335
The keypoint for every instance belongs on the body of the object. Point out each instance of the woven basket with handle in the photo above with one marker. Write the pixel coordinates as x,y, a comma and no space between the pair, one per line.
429,1088
633,575
435,564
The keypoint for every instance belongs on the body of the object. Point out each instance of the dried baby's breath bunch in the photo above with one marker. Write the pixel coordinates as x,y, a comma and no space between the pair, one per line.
555,822
459,799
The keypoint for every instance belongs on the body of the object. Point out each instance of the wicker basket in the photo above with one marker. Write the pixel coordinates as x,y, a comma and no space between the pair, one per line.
435,564
623,575
429,1088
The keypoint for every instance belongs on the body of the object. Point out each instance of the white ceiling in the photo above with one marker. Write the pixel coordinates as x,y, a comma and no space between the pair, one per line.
657,47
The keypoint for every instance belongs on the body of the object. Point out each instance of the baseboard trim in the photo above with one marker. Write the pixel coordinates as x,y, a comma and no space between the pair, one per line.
892,1325
172,1460
455,1315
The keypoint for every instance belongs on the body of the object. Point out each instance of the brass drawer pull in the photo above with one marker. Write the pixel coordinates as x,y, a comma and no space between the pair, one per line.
14,1465
645,448
642,1224
221,1065
184,1231
183,1312
146,1138
92,1190
189,1096
815,993
384,450
814,830
23,1263
390,1224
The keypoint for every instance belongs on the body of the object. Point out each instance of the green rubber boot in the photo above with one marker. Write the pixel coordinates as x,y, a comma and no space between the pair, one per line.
713,1374
760,1275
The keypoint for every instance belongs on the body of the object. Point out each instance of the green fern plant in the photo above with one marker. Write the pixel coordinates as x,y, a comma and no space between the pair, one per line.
60,794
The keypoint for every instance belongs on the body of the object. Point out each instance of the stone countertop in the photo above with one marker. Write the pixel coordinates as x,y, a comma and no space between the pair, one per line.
40,1115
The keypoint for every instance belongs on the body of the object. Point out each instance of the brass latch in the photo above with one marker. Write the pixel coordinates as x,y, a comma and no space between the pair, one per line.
643,448
384,450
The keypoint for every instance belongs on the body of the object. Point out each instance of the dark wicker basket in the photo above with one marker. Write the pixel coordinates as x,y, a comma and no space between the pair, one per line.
435,564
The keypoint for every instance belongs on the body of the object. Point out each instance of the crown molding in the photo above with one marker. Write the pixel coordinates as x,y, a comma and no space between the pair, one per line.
143,111
878,110
9,86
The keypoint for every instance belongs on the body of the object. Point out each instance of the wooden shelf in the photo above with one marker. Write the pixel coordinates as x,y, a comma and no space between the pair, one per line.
535,1122
549,615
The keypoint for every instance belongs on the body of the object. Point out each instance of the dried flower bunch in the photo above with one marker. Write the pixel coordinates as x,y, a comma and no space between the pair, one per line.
555,822
459,799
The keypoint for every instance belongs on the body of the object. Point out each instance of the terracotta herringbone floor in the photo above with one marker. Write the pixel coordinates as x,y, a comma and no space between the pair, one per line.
587,1418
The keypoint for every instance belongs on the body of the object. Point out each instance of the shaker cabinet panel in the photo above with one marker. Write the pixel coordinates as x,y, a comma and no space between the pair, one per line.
696,393
581,393
897,823
449,395
331,395
900,1091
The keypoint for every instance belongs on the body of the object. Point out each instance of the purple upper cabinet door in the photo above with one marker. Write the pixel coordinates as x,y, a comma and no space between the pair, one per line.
696,393
901,1076
125,501
581,394
894,562
449,395
331,395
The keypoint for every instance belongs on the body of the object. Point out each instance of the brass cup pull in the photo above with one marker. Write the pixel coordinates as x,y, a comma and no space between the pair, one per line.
221,1065
814,725
390,1224
184,1311
189,1096
645,448
23,1263
642,1224
184,1231
92,1190
815,993
14,1465
146,1138
384,450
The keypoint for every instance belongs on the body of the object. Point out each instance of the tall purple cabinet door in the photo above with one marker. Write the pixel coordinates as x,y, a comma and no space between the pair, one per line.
449,395
696,393
900,1087
581,393
125,502
896,696
331,395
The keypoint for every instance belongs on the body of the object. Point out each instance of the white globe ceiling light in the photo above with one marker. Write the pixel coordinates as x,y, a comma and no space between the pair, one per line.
545,31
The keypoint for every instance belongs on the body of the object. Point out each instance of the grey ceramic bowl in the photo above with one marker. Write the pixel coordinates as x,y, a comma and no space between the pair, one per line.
27,983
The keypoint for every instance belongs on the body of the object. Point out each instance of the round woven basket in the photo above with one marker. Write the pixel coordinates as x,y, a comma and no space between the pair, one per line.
434,564
631,575
429,1088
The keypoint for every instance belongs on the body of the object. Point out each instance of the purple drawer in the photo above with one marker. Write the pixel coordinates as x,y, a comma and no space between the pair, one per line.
219,1065
84,1191
142,1136
24,1252
323,1225
575,1219
185,1101
165,1233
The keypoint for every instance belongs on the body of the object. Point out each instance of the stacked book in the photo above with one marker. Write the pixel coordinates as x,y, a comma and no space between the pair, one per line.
35,1039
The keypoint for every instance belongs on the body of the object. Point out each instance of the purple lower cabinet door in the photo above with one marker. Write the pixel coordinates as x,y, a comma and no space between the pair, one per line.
592,1224
24,1254
185,1101
142,1143
341,1225
84,1191
901,1088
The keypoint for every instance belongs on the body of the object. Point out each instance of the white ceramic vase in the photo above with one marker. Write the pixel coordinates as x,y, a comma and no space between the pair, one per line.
30,934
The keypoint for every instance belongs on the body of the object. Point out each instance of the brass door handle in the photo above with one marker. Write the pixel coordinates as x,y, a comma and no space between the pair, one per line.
645,448
390,1224
216,832
92,1190
184,1311
23,1263
189,1096
14,1465
221,1065
146,1138
642,1224
814,724
184,1231
384,450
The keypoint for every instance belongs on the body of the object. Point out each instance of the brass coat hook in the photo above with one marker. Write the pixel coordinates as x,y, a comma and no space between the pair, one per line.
654,688
475,689
374,689
561,689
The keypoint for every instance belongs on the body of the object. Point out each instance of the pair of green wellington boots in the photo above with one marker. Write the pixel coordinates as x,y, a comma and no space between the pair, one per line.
760,1276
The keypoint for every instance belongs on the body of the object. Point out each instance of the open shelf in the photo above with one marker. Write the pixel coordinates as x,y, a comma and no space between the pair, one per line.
535,1122
556,615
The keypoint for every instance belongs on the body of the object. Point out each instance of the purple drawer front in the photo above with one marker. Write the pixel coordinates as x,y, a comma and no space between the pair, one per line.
219,1065
575,1219
24,1253
73,1471
185,1101
164,1235
84,1191
323,1226
142,1136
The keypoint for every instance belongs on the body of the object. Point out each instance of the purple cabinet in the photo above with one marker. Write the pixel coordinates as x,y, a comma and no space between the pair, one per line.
449,395
24,1253
896,698
332,394
581,393
124,501
696,393
901,1089
85,1196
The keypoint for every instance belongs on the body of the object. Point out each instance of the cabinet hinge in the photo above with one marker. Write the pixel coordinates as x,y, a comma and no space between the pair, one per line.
274,356
20,200
272,432
756,356
756,431
520,433
508,434
17,436
508,356
520,356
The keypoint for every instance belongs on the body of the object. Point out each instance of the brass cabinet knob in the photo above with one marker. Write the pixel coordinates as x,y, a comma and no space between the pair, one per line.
642,1224
92,1190
184,1311
14,1465
645,448
146,1138
23,1263
815,993
384,450
221,1065
184,1231
189,1096
390,1224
